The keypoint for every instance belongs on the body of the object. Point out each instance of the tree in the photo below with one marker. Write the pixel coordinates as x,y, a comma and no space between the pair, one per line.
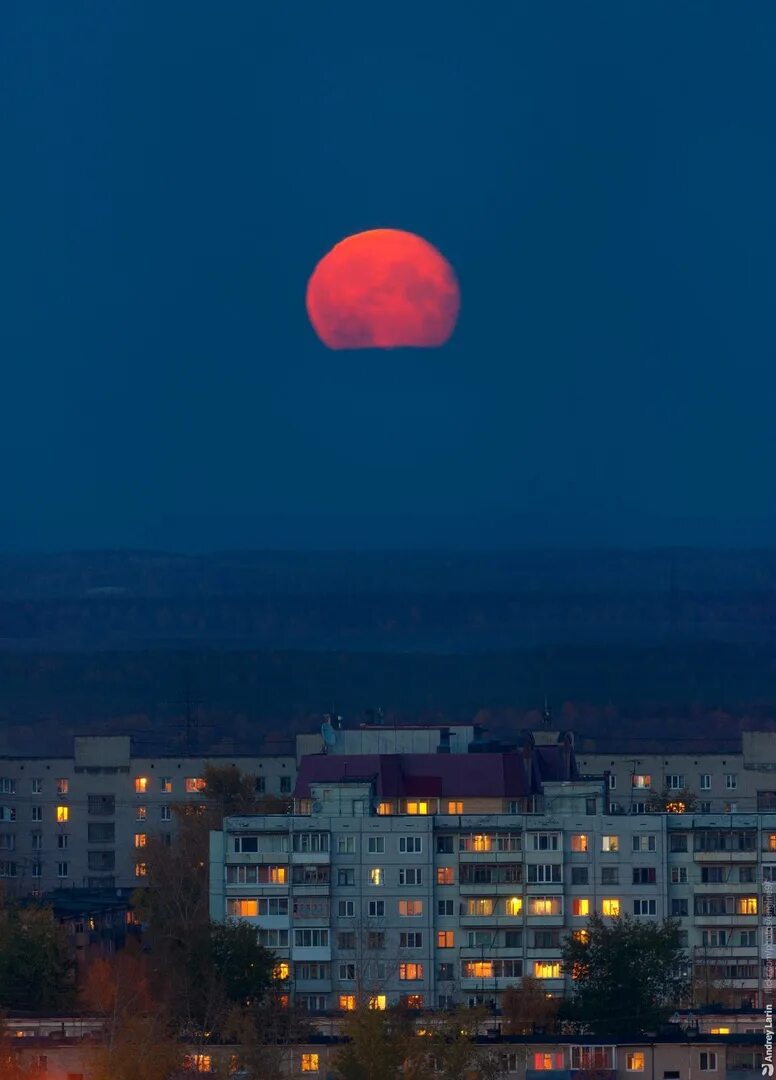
139,1042
36,965
526,1008
206,968
448,1050
627,974
379,1043
670,801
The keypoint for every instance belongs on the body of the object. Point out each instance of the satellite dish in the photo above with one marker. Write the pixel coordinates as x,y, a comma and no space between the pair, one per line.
317,806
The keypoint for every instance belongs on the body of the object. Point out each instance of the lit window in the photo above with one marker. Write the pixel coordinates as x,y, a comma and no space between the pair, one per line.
582,936
310,1063
193,784
610,843
140,839
140,813
544,1062
720,1031
545,905
635,1062
200,1062
445,875
477,969
166,785
141,785
63,813
642,780
277,875
245,909
62,786
455,808
376,876
746,905
347,1002
772,841
383,808
379,1001
410,972
481,843
411,907
513,905
610,907
546,969
141,869
445,939
281,971
580,905
418,807
579,842
479,907
413,1001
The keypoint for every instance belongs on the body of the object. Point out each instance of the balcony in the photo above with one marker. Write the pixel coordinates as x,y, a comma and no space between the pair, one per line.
310,858
719,952
312,986
484,888
725,856
313,952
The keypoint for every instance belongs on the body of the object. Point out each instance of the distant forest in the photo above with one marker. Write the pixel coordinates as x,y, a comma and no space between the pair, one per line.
251,647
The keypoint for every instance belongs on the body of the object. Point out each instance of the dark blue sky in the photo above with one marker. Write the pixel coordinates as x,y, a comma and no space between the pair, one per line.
602,176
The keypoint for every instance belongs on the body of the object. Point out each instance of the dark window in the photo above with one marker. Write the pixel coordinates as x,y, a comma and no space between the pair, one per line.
579,875
679,908
644,875
102,833
444,845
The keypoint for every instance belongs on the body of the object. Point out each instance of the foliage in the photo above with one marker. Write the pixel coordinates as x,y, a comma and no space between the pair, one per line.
379,1043
448,1050
627,974
526,1008
673,802
205,968
36,965
243,966
268,1036
118,984
139,1041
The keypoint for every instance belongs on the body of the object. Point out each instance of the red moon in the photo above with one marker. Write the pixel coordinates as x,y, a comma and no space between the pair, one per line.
383,289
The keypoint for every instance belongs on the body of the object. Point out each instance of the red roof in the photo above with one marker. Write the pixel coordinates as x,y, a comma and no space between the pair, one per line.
398,776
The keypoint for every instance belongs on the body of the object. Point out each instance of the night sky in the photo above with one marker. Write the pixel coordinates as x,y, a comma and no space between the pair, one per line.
602,176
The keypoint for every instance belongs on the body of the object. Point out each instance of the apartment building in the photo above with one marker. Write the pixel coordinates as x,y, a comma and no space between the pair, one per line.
440,878
84,820
723,781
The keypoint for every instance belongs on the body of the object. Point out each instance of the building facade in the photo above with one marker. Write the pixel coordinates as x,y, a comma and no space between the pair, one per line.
84,820
440,879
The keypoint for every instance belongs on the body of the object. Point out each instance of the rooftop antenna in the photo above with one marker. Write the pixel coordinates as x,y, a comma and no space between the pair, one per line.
546,713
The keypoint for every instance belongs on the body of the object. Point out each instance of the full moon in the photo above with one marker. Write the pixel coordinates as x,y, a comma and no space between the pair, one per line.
383,289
